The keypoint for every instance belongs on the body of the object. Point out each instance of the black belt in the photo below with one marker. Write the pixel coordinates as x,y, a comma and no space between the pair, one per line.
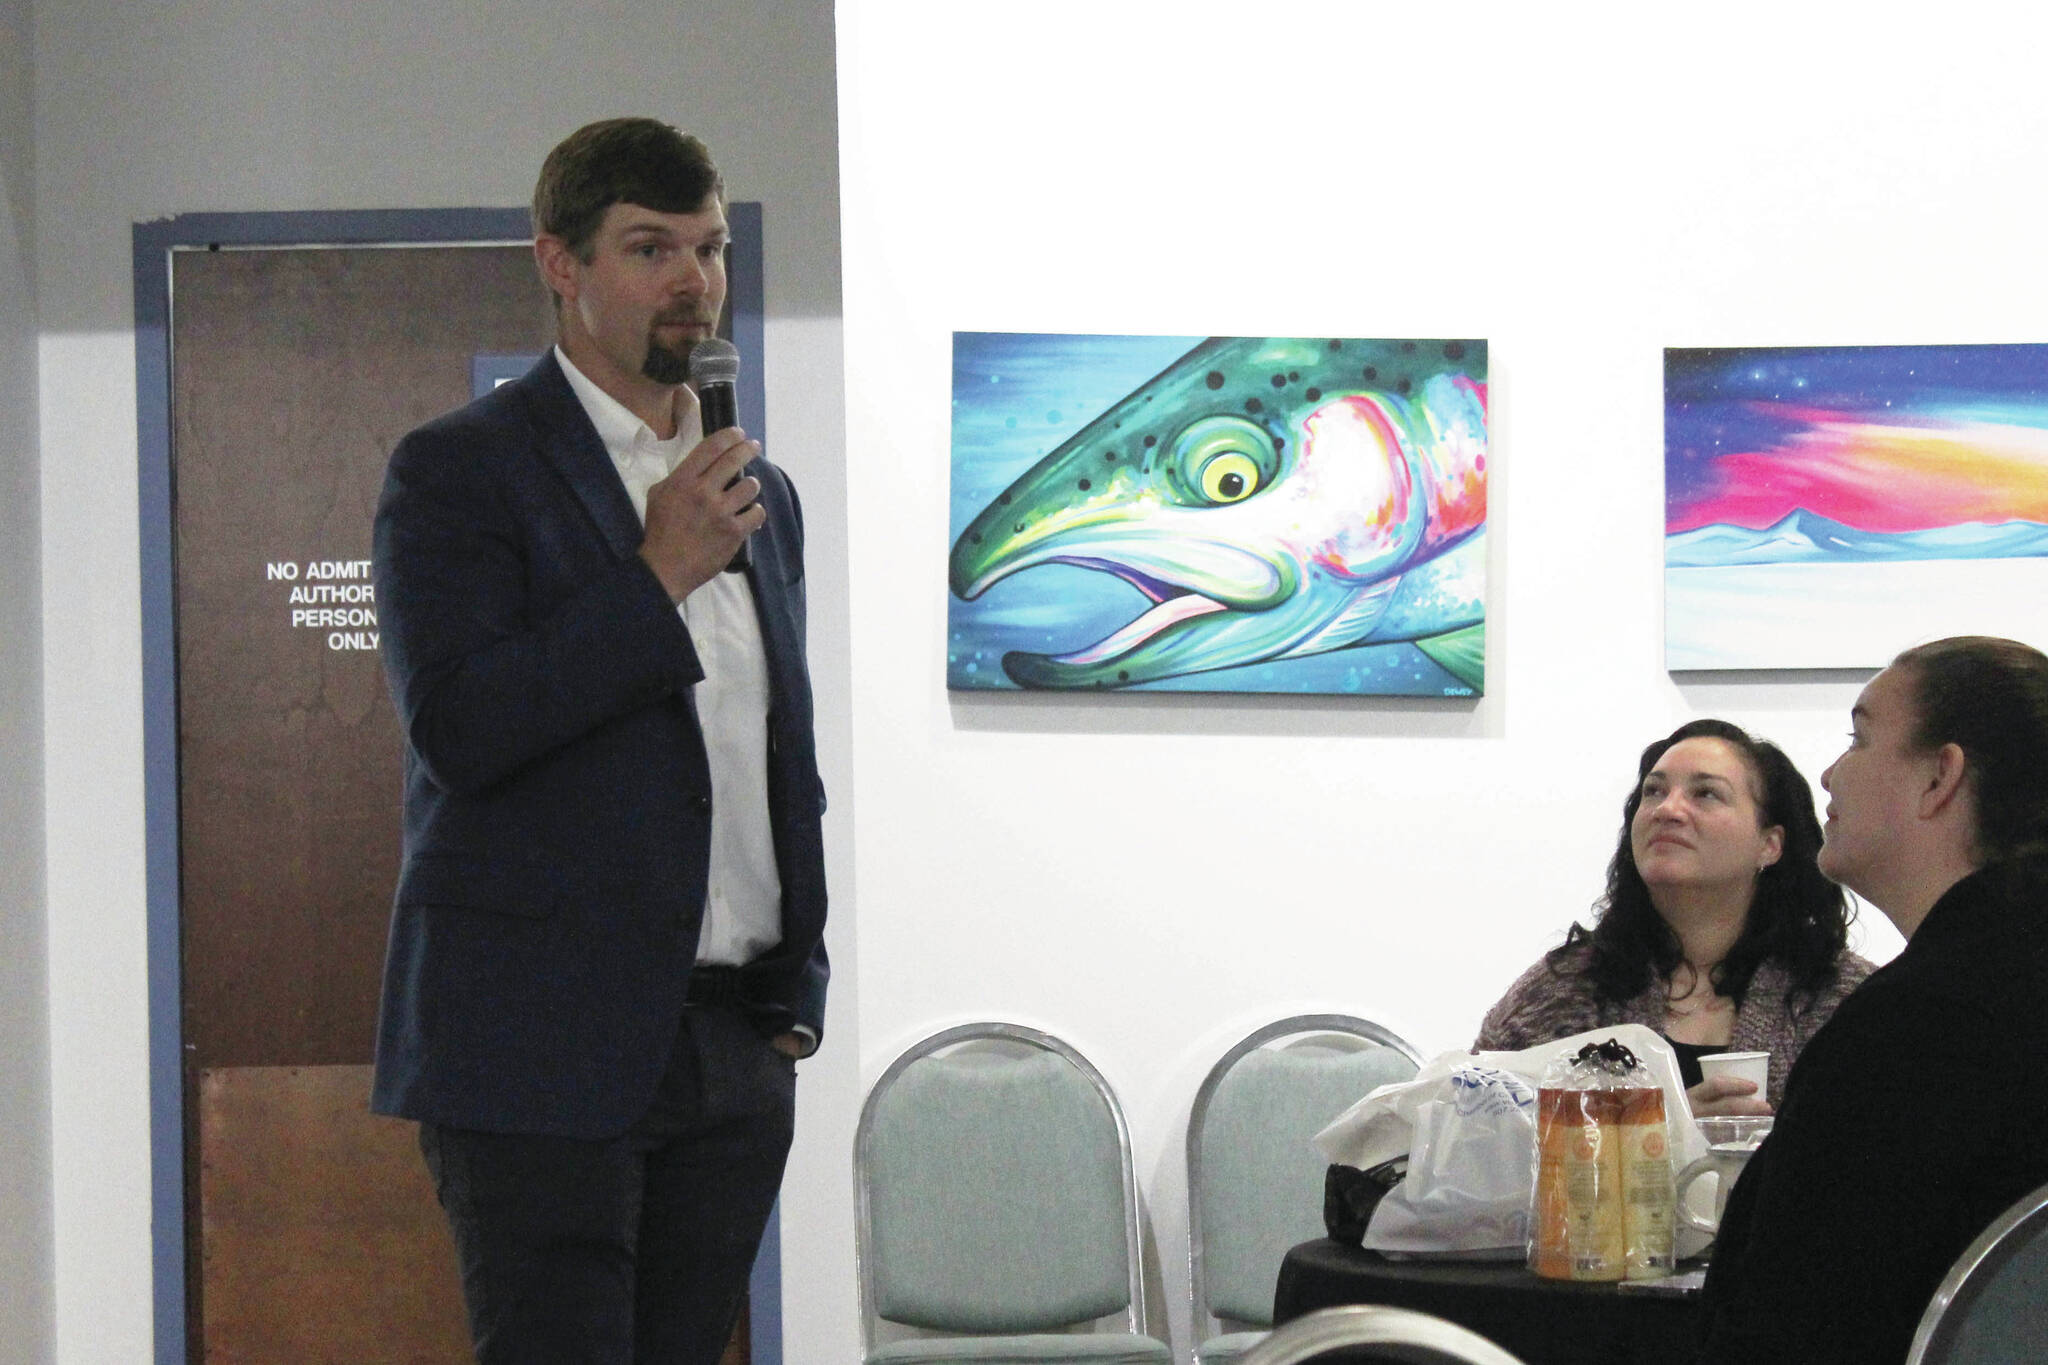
716,985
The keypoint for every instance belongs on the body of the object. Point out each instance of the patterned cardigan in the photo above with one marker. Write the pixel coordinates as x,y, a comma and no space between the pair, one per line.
1543,1005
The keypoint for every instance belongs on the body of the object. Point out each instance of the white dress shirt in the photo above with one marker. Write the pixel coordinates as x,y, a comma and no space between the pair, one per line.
743,900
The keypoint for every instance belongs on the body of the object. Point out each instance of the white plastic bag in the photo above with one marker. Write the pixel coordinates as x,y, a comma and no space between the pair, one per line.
1472,1148
1470,1166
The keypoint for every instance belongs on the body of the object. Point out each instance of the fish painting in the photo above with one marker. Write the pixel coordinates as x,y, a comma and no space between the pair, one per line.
1262,501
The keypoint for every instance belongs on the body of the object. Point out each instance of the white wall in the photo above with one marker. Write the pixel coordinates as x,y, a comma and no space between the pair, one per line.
146,110
25,1275
1148,876
1152,876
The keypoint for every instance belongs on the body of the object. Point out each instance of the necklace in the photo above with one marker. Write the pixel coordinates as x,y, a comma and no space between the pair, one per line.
1698,997
1684,1007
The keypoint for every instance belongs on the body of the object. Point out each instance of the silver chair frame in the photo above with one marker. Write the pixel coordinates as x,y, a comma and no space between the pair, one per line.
1293,1026
1980,1261
1398,1333
863,1254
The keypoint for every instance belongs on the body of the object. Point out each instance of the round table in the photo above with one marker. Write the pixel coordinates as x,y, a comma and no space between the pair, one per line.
1545,1322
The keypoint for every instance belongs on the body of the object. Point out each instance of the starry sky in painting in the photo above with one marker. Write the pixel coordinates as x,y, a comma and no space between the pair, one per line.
1884,439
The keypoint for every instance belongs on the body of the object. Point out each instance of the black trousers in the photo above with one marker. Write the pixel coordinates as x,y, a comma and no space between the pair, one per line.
634,1250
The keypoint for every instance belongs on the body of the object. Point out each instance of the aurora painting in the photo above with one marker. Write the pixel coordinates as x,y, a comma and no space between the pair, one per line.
1221,514
1825,507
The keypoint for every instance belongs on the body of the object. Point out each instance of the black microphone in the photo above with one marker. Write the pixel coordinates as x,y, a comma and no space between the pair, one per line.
715,374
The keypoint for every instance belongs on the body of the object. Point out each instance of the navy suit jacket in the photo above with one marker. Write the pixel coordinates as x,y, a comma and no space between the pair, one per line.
557,794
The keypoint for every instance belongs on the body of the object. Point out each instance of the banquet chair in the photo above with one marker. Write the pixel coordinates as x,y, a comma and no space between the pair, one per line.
1992,1305
996,1216
1394,1334
1255,1185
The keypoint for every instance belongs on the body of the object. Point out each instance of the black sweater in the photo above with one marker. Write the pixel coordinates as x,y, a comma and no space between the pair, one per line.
1915,1117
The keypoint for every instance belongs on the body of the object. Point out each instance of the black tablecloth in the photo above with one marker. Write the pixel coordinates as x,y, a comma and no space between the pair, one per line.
1545,1322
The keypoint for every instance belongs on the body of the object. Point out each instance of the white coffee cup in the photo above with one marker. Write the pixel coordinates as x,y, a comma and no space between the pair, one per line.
1747,1066
1730,1140
1724,1162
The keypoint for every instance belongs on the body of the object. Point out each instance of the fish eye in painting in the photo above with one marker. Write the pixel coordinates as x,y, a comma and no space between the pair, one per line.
1220,514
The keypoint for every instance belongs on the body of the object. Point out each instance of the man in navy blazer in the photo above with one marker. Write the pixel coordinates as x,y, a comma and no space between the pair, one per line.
606,943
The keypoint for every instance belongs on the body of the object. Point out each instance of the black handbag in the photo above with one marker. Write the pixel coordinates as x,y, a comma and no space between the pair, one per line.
1350,1196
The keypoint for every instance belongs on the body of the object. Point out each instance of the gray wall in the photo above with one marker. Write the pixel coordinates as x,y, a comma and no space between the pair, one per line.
25,1267
174,106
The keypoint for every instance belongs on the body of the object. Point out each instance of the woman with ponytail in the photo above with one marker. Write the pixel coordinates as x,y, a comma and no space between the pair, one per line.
1919,1113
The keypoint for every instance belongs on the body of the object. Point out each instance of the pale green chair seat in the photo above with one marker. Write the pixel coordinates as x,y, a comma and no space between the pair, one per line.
998,1207
1993,1304
1255,1184
1102,1348
1228,1348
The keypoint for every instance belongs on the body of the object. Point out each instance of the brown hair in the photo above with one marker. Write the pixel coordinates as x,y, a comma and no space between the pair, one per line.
1989,697
620,161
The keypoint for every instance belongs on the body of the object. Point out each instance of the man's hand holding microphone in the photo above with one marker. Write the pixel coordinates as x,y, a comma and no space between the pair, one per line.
700,515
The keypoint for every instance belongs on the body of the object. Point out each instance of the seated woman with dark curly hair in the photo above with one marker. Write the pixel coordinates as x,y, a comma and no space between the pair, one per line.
1717,929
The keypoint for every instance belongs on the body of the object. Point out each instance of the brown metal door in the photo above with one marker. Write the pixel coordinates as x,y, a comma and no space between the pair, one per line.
312,1234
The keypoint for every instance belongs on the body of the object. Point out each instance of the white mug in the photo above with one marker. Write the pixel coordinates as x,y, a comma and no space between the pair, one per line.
1726,1161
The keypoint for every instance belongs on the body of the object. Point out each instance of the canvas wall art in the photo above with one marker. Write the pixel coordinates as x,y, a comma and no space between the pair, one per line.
1220,514
1825,507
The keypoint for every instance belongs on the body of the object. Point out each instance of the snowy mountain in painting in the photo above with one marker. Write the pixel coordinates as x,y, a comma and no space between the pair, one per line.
1805,537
